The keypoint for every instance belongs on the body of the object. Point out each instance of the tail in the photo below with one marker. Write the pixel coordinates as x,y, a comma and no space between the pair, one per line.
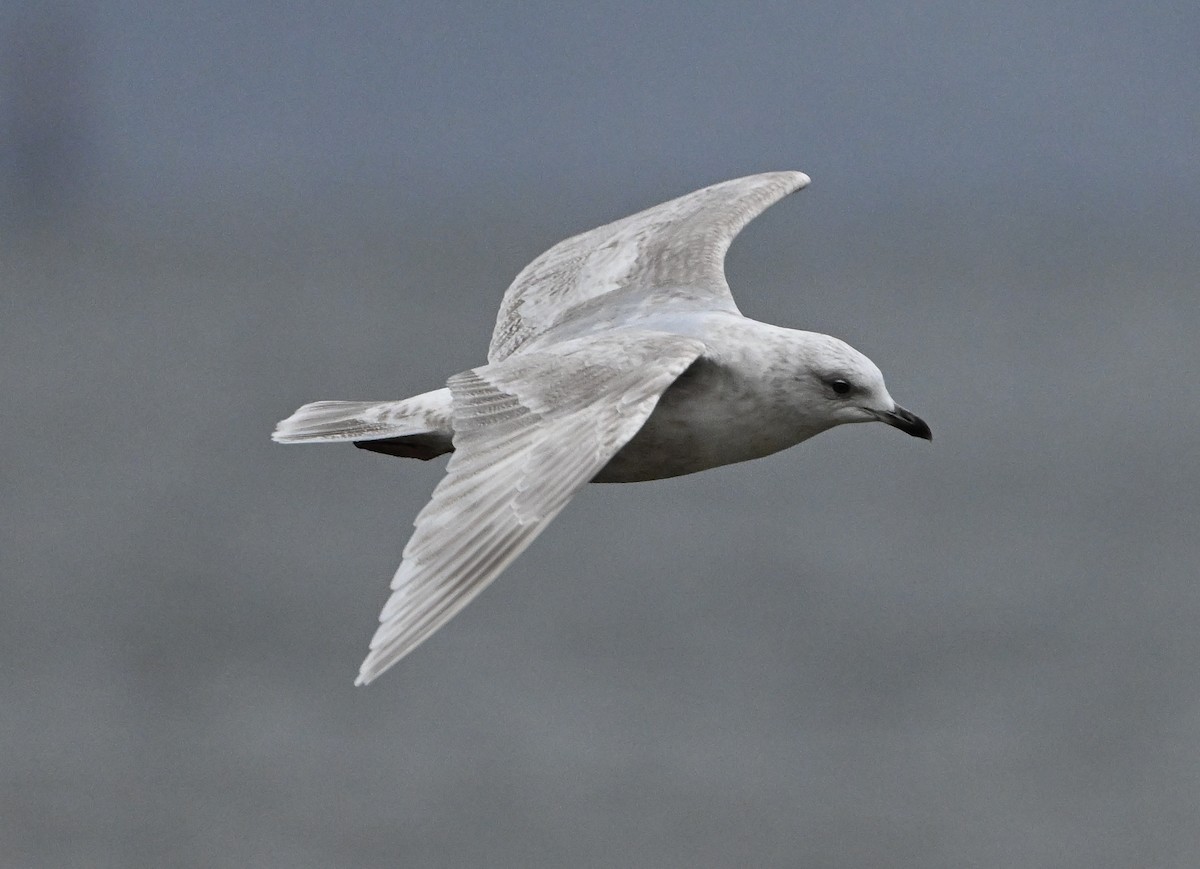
418,427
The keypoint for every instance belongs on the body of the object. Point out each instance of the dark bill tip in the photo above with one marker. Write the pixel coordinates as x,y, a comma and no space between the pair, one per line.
908,422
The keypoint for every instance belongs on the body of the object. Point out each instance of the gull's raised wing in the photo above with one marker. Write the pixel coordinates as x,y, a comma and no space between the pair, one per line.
529,433
679,244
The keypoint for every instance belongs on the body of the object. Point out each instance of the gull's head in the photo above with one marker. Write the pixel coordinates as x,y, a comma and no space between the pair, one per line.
842,386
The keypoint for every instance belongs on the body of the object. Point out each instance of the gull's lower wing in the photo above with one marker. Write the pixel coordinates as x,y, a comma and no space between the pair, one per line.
680,244
529,433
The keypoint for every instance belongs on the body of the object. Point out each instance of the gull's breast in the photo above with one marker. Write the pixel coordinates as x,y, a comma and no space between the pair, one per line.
713,414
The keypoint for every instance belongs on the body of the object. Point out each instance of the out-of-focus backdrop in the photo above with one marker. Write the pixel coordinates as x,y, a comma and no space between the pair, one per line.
868,651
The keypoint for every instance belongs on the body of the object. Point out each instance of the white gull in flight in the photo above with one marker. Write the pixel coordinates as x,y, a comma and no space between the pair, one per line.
618,355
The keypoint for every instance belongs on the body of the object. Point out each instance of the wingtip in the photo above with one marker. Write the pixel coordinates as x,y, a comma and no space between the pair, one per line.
793,179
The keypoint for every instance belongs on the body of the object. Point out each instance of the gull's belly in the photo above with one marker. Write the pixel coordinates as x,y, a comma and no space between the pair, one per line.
710,416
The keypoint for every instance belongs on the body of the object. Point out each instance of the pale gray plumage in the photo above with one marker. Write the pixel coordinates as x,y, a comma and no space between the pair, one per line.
618,355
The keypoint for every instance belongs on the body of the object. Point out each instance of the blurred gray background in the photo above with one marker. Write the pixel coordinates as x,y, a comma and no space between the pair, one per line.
868,651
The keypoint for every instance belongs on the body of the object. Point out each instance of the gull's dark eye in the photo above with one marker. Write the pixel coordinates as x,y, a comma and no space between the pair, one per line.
841,387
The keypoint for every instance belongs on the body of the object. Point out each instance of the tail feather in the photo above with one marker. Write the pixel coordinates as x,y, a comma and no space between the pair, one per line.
425,416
